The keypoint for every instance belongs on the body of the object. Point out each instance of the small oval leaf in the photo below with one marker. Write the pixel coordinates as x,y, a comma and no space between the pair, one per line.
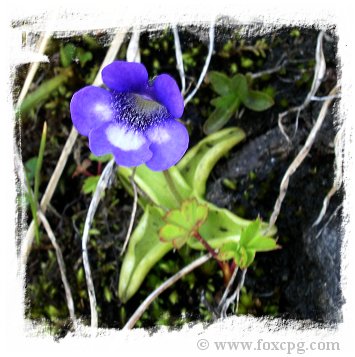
258,101
221,84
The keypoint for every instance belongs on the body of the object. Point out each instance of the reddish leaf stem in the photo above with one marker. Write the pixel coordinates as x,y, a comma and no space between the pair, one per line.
223,265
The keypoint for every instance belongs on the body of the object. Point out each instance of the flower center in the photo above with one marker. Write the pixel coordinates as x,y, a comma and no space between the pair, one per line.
138,111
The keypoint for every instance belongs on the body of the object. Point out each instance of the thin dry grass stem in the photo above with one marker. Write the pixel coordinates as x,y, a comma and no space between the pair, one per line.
331,217
269,71
41,47
179,60
300,157
61,264
319,72
133,53
322,99
100,188
338,168
171,281
133,213
228,288
53,182
235,296
206,65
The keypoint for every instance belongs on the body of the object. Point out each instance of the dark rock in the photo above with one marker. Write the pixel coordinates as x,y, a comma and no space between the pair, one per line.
314,291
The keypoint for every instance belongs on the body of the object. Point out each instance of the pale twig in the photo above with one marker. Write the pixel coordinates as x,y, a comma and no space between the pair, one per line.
100,188
53,182
268,71
299,158
328,221
338,168
179,60
319,72
61,264
171,281
228,288
322,99
42,44
235,295
133,213
133,53
206,65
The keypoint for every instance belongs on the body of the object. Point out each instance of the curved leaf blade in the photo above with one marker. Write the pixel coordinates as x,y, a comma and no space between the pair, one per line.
198,163
144,250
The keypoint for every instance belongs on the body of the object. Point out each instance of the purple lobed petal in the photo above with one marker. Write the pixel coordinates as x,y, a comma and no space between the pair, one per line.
130,147
125,77
90,107
169,142
167,92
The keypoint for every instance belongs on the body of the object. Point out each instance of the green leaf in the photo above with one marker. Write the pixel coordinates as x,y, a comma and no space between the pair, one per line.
67,54
240,86
30,168
246,258
228,251
37,179
90,184
190,215
221,84
33,206
242,256
144,250
154,184
183,223
251,241
258,101
263,244
226,107
43,91
250,232
84,57
33,197
174,234
199,161
224,102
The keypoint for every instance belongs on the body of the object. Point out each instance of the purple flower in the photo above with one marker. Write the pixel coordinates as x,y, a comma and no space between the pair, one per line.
135,119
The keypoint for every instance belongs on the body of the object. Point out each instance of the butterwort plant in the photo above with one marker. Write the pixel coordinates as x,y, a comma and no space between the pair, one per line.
135,119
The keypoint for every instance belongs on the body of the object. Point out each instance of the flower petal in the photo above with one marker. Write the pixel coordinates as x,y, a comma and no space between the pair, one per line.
98,142
167,92
169,141
90,107
125,76
130,148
